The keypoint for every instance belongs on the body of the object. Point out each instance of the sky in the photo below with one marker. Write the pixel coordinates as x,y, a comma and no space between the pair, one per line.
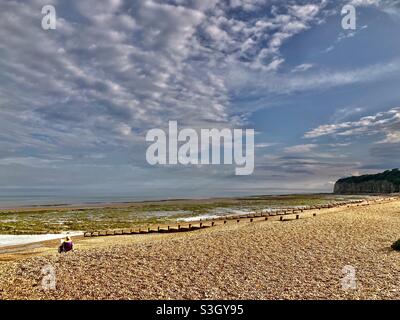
76,102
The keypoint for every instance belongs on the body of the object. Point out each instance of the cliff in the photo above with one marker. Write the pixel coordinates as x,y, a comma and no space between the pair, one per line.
385,182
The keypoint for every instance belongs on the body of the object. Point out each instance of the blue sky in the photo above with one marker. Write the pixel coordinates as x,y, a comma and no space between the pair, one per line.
76,102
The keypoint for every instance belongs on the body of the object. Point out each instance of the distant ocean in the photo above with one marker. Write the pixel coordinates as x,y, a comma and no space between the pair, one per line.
11,201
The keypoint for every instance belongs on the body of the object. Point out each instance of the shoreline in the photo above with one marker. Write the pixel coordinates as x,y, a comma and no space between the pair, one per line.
7,240
7,252
122,204
185,222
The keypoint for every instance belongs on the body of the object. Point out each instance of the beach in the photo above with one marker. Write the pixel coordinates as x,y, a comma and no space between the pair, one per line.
294,259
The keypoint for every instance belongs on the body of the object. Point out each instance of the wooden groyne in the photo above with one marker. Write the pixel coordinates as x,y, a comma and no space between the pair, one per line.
280,215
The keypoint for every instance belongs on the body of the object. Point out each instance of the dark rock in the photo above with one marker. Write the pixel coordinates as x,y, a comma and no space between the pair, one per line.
385,182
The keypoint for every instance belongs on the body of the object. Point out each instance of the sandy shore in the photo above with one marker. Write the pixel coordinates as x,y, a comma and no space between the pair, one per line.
299,259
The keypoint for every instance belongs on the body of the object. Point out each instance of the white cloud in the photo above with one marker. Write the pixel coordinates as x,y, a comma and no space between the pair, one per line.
301,148
265,145
386,123
303,67
391,137
391,7
365,2
317,80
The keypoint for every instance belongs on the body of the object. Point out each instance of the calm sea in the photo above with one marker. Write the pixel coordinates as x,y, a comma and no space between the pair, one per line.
11,201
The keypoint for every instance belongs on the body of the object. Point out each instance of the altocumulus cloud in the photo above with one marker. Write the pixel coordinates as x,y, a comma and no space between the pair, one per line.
113,69
383,123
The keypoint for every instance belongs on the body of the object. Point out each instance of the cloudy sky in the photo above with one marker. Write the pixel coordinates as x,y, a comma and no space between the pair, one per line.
76,102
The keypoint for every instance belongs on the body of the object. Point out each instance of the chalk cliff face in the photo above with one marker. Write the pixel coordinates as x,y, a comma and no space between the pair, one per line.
386,182
365,187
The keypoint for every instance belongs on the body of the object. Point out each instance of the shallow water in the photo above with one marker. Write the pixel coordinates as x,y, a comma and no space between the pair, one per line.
215,214
197,218
12,240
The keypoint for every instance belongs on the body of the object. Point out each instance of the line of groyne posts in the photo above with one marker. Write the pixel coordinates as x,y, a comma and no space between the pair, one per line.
280,215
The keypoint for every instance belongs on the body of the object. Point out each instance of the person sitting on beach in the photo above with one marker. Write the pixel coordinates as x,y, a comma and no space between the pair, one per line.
66,245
